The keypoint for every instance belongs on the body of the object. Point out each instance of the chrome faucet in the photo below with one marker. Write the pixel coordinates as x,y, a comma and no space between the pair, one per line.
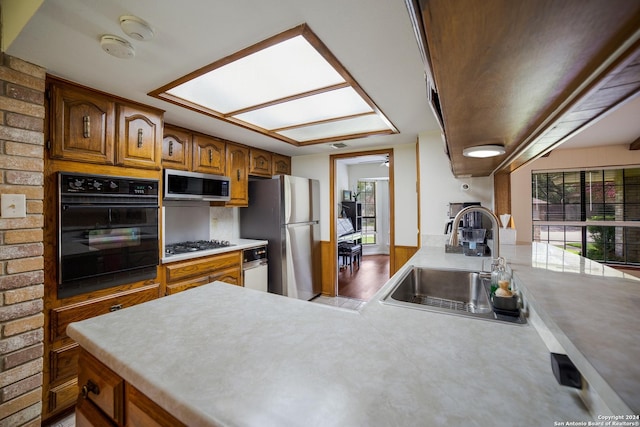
495,224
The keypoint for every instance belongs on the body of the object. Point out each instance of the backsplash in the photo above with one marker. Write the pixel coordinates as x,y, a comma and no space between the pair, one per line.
184,221
223,223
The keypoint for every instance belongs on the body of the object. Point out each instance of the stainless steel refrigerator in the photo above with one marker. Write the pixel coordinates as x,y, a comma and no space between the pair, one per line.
285,211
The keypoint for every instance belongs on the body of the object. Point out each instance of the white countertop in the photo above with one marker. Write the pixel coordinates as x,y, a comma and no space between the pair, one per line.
223,355
236,245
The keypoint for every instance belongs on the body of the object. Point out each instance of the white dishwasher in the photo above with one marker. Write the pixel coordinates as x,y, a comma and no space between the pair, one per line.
255,268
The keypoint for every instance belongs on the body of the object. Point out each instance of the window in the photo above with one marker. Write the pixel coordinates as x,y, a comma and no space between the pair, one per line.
591,213
367,190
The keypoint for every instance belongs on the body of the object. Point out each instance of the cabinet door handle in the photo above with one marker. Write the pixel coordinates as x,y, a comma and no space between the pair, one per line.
90,387
238,174
210,155
140,138
170,148
115,307
86,126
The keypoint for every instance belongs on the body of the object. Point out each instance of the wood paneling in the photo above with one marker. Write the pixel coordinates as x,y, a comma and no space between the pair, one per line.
525,74
402,255
502,193
329,266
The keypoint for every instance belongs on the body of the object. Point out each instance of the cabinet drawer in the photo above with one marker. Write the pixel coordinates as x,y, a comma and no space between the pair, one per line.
101,386
64,362
63,396
229,275
201,266
62,316
183,285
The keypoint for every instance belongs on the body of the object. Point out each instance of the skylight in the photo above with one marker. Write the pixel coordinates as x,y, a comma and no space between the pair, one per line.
289,87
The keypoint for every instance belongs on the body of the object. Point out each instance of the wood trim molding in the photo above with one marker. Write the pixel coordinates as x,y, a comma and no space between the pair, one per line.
330,287
635,145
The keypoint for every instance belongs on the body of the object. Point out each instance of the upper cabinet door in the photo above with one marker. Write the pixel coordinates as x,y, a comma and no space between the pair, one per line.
139,137
260,163
238,172
281,164
82,125
176,148
208,155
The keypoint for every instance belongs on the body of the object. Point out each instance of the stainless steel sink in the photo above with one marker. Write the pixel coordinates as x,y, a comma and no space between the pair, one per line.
458,292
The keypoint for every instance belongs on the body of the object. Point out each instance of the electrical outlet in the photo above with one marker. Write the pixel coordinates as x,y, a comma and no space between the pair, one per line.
13,206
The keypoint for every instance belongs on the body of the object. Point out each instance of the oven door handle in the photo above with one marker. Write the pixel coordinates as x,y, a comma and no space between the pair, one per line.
66,206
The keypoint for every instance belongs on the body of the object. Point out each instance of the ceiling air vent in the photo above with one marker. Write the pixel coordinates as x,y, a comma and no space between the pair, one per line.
338,145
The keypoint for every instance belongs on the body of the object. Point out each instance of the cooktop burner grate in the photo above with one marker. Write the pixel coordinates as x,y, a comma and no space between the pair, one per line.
195,246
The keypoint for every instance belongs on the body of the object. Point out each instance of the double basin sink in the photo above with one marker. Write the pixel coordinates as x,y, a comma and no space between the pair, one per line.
465,293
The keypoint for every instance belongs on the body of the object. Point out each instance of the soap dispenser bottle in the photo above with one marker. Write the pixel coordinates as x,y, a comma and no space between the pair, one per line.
498,273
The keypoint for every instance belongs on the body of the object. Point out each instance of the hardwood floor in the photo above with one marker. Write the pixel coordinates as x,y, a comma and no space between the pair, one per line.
366,280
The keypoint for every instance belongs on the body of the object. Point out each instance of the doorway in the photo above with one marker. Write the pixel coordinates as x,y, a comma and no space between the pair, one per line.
362,232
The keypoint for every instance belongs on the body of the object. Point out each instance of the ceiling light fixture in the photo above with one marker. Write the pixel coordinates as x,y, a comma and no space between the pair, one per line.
117,46
483,151
136,28
303,94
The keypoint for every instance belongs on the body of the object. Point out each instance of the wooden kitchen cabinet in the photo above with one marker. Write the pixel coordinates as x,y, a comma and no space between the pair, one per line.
105,399
89,415
91,127
232,276
238,172
183,275
62,316
82,125
176,148
281,165
142,411
208,155
139,137
260,162
100,385
61,355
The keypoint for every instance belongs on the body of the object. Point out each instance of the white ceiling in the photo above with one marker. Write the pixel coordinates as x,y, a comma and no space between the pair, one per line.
373,40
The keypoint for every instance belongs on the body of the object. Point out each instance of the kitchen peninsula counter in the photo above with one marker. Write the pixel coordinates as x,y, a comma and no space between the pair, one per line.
223,355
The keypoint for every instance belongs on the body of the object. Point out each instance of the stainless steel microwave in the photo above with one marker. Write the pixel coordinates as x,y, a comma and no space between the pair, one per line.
183,185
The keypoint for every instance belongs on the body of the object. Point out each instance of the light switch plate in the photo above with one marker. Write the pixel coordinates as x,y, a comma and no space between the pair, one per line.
13,205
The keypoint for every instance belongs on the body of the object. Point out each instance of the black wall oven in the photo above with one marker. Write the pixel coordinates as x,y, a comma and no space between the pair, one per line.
108,232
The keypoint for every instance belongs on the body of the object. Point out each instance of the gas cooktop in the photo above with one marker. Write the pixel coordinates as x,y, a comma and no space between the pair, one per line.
194,246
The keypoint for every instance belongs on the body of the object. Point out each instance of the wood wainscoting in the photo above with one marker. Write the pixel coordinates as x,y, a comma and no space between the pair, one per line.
402,255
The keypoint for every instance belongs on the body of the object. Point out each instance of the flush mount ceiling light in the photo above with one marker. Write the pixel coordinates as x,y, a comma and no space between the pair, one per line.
289,87
117,46
136,28
483,151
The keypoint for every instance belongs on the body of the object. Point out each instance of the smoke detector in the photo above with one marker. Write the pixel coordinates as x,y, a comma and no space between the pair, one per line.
116,46
136,28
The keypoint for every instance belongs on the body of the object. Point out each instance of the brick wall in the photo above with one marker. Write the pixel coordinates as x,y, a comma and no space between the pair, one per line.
21,242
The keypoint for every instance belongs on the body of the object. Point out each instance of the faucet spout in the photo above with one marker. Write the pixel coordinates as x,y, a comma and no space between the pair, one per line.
495,225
